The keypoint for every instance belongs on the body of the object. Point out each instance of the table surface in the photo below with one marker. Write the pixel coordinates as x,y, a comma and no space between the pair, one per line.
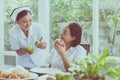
4,67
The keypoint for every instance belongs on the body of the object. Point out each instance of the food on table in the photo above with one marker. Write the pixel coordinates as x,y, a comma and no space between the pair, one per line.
3,74
67,76
15,73
59,76
22,76
51,78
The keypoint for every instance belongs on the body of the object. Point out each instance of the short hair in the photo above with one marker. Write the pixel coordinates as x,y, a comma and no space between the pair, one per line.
76,31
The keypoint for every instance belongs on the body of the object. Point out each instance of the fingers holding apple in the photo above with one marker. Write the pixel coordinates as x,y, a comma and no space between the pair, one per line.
60,46
37,42
40,44
60,42
29,49
40,38
43,45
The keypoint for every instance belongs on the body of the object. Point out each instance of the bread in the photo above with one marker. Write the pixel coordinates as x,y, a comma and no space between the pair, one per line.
51,78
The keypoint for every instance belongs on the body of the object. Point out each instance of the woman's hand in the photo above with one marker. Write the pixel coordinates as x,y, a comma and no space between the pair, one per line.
29,52
29,49
60,46
40,44
21,51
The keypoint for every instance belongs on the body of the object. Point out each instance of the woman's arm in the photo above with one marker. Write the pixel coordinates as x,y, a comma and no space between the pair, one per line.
40,44
65,60
23,51
61,51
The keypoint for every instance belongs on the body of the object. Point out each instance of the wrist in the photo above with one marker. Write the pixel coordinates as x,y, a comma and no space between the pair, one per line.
24,50
62,54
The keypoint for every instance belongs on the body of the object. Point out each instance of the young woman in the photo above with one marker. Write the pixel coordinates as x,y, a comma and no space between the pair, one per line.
23,37
67,49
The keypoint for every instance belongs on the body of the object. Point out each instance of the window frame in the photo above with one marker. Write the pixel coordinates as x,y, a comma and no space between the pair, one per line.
2,30
95,27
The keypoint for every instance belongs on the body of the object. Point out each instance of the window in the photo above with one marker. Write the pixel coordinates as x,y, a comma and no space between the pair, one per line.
65,11
103,31
109,25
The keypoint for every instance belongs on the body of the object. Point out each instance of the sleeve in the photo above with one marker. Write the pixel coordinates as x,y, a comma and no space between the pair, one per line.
80,54
13,41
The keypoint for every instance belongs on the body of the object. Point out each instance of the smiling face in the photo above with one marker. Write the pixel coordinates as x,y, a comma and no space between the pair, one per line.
71,34
66,35
25,22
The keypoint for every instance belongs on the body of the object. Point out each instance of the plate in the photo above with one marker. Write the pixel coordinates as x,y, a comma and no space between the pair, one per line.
45,70
43,77
33,77
20,69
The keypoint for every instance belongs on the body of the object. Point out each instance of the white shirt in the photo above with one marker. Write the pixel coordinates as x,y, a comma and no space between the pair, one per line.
19,40
74,54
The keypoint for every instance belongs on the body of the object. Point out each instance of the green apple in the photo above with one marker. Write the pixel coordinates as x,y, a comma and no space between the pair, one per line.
67,76
37,42
30,48
59,76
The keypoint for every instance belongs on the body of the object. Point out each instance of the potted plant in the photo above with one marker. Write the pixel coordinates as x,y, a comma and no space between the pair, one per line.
95,67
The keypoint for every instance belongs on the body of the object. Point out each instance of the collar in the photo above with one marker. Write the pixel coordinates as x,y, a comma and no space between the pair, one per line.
21,33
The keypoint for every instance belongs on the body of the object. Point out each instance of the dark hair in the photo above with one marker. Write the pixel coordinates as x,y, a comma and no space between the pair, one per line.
75,30
22,14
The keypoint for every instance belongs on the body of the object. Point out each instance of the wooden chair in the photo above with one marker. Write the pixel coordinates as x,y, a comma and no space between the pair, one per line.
86,46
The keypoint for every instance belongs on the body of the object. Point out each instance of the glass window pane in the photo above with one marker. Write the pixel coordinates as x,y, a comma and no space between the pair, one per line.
65,11
109,25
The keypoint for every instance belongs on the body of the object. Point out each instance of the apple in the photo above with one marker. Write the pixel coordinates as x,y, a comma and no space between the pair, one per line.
51,78
59,42
67,76
30,48
59,76
37,42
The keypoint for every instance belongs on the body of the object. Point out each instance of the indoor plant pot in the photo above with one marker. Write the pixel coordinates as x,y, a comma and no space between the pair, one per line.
95,67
